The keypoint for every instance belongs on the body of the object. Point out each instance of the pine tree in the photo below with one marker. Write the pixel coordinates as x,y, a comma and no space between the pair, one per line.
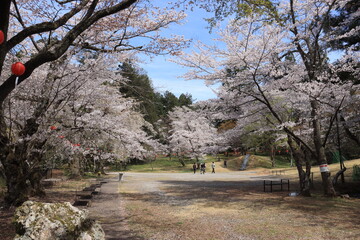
342,22
139,86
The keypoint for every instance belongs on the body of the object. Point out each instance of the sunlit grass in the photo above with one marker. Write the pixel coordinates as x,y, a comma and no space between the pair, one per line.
162,164
234,162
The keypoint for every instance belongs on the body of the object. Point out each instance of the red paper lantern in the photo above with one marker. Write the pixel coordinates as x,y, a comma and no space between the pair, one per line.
53,128
18,69
2,37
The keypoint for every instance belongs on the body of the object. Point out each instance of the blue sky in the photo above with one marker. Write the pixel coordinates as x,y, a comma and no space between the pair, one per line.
166,75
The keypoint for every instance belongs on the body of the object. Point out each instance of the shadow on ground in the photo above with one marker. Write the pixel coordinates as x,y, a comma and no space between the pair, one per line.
106,209
250,194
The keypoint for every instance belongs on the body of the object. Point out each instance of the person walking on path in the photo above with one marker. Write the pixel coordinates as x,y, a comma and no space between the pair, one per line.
213,167
194,168
202,169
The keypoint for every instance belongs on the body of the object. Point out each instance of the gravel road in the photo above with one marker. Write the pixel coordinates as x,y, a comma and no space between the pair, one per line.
169,189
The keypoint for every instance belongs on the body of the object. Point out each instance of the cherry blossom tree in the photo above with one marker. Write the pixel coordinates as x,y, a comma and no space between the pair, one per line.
192,134
101,119
40,32
81,114
282,70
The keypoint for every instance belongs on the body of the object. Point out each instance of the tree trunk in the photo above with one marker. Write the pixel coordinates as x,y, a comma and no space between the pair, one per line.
75,168
181,159
197,159
97,167
304,176
307,180
23,174
17,187
320,150
272,155
337,175
101,163
21,164
21,178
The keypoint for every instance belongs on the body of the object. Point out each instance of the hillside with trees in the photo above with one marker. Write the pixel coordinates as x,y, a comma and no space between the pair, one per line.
72,94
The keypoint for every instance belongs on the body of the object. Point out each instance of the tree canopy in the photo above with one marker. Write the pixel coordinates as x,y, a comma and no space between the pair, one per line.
83,101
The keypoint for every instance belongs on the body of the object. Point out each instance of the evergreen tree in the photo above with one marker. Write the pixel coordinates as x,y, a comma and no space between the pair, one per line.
343,21
169,101
153,105
139,87
185,100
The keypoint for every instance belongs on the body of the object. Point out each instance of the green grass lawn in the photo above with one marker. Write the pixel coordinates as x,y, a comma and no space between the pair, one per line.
234,163
165,164
257,161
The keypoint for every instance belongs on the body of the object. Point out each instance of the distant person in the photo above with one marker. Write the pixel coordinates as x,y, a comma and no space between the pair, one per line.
225,163
213,167
202,168
194,168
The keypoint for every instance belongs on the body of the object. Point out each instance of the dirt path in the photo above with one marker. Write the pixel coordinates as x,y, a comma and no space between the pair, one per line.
221,206
110,206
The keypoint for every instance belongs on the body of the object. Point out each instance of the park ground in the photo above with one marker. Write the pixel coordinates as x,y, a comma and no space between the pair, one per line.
226,205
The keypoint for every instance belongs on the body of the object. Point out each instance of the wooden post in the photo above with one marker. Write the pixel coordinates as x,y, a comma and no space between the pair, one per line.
288,185
264,185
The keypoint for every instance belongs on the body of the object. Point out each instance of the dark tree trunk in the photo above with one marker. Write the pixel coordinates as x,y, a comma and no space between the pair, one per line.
197,159
97,167
23,174
272,155
17,188
4,25
337,175
181,159
14,169
102,170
